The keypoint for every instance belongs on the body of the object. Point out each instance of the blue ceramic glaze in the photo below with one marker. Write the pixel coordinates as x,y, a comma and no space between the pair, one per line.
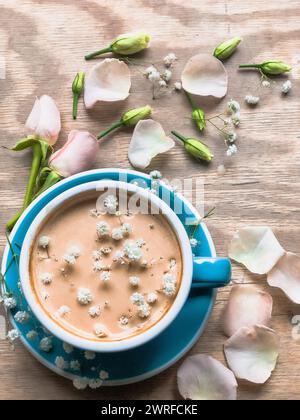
156,355
211,272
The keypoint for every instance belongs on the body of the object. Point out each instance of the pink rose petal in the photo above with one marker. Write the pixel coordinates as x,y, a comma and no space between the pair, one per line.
252,353
202,377
247,306
286,276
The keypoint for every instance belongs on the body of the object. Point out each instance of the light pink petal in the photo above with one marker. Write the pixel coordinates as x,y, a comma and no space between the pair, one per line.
257,248
205,75
202,377
77,155
247,306
286,276
44,119
148,140
108,81
252,353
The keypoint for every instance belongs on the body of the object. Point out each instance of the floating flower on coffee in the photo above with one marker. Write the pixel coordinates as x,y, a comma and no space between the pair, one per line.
126,44
269,68
77,89
227,48
195,147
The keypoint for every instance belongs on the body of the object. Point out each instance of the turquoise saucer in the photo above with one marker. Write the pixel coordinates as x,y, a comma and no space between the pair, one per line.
128,366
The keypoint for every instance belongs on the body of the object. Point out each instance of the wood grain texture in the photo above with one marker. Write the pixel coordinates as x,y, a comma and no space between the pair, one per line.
44,42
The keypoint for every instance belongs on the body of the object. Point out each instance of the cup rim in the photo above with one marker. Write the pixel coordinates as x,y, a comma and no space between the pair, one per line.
117,345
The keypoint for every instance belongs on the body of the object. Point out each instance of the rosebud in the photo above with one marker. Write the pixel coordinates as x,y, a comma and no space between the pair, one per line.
227,48
129,118
77,88
132,117
126,44
199,117
195,147
271,68
77,155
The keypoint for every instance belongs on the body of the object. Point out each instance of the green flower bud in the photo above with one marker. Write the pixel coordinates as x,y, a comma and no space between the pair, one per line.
195,147
227,48
270,68
131,43
78,83
199,117
133,116
126,44
77,88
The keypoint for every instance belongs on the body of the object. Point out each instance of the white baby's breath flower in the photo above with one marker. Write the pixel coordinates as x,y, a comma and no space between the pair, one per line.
252,100
69,259
177,86
106,250
193,242
137,298
111,203
126,228
231,137
13,335
45,294
95,383
162,83
75,365
286,87
105,276
266,83
117,234
167,75
155,174
149,70
140,242
61,363
46,278
169,59
123,320
132,251
43,241
31,335
134,281
80,383
74,250
22,317
119,255
232,150
99,331
169,284
103,375
9,302
46,344
84,296
154,76
151,297
68,348
236,119
89,355
233,106
95,311
96,255
221,170
144,310
103,228
63,310
97,266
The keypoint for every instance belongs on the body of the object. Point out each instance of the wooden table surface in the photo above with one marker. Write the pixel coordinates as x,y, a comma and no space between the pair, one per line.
43,44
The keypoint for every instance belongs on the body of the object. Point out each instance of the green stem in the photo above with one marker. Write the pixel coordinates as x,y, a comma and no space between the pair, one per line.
193,105
35,166
113,127
96,53
249,66
179,136
51,179
75,105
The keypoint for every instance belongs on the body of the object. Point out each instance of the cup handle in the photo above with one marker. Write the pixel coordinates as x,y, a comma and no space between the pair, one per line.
211,272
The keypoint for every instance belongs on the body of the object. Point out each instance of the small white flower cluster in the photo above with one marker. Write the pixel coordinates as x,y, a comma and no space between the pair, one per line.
46,278
9,302
46,344
252,100
231,136
72,254
13,335
61,363
151,297
111,203
155,174
134,281
99,331
169,284
123,320
44,241
75,365
95,311
31,335
144,309
117,234
126,228
286,87
193,242
63,310
105,276
170,59
103,228
161,79
22,317
89,355
84,296
132,251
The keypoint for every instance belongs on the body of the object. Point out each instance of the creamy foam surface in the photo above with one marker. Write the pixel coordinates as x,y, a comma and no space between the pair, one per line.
105,310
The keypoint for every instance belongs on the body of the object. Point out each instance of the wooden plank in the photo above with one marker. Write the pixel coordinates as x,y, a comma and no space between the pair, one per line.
44,42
